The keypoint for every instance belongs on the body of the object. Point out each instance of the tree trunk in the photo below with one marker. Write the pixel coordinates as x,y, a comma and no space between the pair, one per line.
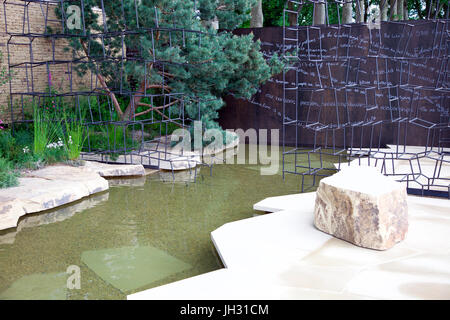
384,10
213,23
400,9
393,14
347,12
292,18
257,20
405,11
319,13
360,10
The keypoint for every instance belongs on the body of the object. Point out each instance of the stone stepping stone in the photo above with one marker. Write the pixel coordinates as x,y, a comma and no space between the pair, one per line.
52,286
129,268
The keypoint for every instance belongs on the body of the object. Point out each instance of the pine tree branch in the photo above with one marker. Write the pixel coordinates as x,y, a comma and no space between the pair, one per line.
167,118
166,74
152,108
202,62
136,98
159,86
104,85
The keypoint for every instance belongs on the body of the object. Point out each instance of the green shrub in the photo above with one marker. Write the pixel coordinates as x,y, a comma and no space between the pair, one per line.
18,150
55,152
8,176
45,132
8,147
112,139
74,137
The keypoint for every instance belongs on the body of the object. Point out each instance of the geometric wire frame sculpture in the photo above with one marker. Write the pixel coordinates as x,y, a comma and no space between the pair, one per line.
88,97
363,94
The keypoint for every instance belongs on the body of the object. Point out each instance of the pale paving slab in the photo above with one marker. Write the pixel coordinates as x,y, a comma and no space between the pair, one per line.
284,234
37,286
426,166
414,149
282,256
290,202
129,268
427,277
46,189
231,284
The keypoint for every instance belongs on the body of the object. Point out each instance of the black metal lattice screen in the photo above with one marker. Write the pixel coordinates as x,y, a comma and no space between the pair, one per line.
371,93
46,76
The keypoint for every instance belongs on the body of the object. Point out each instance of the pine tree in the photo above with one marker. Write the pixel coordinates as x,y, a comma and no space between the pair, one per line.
205,67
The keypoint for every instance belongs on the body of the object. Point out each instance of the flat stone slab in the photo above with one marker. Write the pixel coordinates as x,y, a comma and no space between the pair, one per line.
51,286
160,154
283,256
234,284
406,163
53,216
129,268
159,159
114,170
292,201
128,182
46,189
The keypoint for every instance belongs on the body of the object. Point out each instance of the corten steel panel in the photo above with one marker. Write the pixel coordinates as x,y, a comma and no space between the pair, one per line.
395,74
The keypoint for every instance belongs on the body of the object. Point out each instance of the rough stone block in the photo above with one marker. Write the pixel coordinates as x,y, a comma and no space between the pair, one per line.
361,206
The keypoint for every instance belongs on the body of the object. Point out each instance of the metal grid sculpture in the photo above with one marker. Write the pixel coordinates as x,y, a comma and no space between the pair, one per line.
93,100
352,89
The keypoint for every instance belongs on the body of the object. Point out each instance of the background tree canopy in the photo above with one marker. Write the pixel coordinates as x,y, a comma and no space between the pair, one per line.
416,9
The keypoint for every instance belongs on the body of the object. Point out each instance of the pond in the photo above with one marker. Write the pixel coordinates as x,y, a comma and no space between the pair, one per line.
140,234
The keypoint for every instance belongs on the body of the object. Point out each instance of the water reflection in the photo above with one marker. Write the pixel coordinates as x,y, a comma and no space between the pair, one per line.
52,216
175,219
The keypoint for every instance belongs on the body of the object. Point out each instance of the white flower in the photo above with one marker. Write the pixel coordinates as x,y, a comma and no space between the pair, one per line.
55,145
26,150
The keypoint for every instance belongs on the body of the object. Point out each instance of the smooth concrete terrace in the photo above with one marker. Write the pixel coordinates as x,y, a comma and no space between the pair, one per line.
283,256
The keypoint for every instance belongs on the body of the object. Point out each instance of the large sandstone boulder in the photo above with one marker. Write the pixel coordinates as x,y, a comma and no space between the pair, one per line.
363,207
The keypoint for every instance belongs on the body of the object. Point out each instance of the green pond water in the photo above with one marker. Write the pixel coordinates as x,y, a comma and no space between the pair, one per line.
140,234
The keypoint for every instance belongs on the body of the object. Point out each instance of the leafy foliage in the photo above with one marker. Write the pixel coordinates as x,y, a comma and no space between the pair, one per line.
273,12
417,9
74,137
231,13
8,177
17,149
45,132
223,63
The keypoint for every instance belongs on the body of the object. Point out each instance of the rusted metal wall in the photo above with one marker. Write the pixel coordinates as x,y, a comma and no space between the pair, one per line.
398,75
